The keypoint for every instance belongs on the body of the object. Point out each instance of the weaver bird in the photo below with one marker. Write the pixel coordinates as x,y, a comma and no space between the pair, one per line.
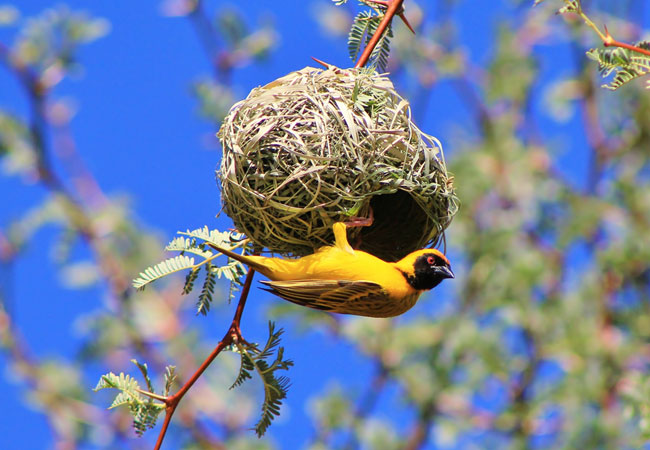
340,279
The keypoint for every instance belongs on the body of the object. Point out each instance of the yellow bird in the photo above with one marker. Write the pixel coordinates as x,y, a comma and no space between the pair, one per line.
340,279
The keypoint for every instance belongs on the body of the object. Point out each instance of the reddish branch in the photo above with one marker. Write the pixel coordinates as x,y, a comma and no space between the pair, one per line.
609,41
394,7
232,336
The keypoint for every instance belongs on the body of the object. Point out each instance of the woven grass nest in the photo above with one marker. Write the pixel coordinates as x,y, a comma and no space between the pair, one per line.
320,146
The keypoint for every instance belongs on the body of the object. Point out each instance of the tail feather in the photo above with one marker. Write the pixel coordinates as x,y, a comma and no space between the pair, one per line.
248,260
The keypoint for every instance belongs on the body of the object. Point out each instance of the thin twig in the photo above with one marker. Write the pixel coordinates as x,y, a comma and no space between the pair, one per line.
611,42
608,40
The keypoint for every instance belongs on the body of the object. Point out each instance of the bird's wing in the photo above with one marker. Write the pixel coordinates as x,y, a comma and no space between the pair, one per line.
363,298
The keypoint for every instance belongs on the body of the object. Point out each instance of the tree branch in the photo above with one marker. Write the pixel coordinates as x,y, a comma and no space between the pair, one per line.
392,10
608,40
233,335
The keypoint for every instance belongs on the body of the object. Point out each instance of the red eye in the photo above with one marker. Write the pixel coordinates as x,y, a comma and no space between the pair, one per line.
431,260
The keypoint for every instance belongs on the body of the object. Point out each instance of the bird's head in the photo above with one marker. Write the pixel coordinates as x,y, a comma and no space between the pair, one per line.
425,269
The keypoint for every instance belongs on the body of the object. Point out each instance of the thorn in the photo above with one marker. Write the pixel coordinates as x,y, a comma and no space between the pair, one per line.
406,22
324,64
608,37
400,11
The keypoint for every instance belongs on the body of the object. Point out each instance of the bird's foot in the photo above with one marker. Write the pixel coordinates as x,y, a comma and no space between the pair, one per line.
361,221
356,222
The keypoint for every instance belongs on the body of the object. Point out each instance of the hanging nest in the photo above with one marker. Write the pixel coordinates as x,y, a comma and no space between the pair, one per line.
320,146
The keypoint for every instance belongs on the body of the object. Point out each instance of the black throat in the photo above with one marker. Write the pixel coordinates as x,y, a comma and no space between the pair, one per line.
424,276
423,280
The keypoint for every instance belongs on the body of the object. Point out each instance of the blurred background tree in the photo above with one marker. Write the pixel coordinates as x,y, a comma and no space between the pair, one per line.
540,341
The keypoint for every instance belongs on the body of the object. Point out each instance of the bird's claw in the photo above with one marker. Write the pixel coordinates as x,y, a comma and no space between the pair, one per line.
361,221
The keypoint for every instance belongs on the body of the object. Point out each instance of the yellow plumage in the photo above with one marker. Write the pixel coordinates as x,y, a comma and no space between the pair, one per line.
340,279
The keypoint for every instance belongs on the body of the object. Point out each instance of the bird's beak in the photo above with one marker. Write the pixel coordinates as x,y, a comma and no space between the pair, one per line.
444,272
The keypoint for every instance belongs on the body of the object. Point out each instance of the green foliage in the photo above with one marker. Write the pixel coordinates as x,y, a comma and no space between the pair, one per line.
253,44
187,245
636,396
265,362
216,96
37,144
358,34
215,237
16,146
511,73
52,38
170,379
143,408
373,101
364,26
215,99
205,297
625,64
194,242
191,277
162,269
571,6
332,411
145,373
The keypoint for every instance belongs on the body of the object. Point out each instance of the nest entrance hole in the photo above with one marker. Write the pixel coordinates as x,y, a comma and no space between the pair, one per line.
397,229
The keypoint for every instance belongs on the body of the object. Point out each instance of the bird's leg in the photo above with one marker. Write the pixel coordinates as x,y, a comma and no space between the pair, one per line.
359,222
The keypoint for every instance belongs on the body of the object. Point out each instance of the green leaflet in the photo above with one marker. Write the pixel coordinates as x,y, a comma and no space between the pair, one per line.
625,64
275,387
364,26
